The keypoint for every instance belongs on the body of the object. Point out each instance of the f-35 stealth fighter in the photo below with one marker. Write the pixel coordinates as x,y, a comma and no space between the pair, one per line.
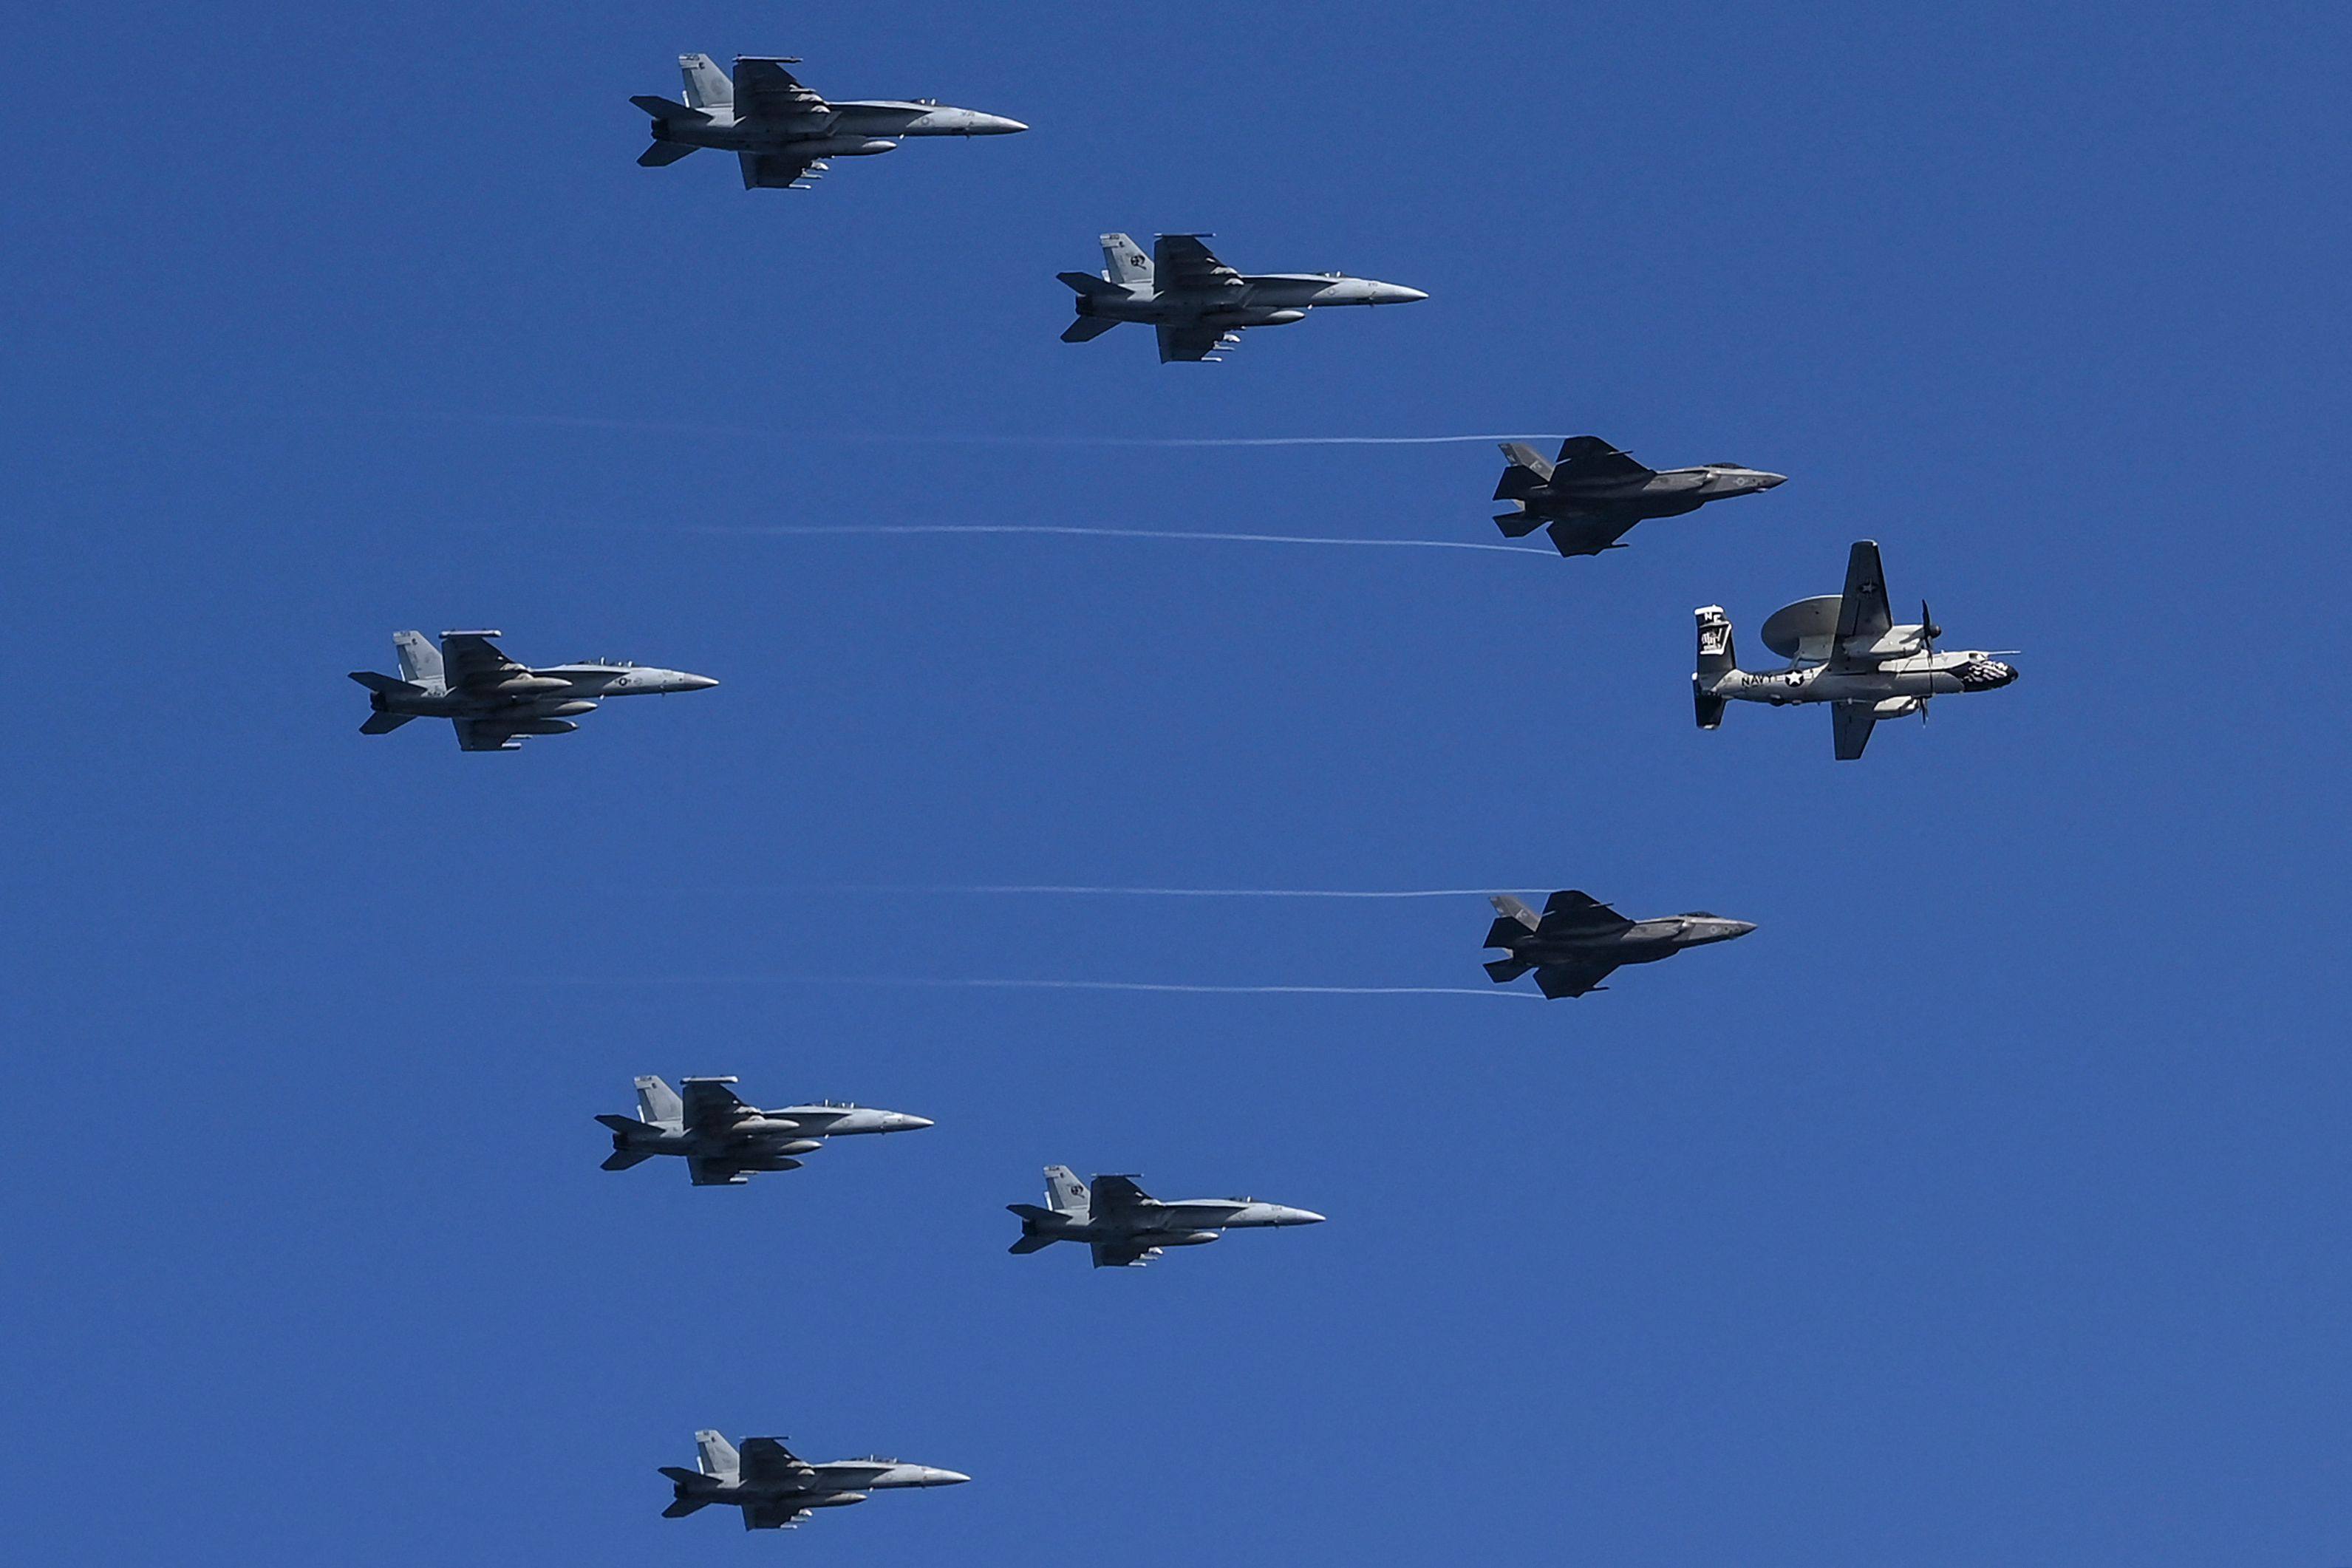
1197,303
776,1489
783,132
1576,941
493,700
1125,1226
1594,494
1843,649
723,1140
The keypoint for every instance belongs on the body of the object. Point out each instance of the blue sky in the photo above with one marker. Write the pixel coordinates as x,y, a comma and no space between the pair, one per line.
1986,1205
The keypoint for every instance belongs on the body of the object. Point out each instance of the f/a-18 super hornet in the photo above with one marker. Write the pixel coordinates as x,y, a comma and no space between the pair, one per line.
1199,304
776,1489
1577,940
1843,649
493,700
783,132
723,1140
1126,1226
1594,494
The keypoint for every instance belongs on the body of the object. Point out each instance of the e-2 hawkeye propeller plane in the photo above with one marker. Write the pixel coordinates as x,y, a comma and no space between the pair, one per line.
782,131
1197,303
493,700
1125,1226
776,1489
722,1139
1843,649
1594,494
1579,940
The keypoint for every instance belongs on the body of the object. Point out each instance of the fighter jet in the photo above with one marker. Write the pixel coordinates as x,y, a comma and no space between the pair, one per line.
1125,1226
1576,941
1198,304
1843,649
493,700
776,1489
1594,494
724,1140
783,132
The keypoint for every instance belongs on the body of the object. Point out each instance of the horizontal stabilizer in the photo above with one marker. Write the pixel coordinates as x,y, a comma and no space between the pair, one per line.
683,1476
662,154
1503,971
1086,329
622,1158
1506,933
1527,473
684,1506
1087,283
1518,524
1029,1244
628,1124
387,685
384,723
666,109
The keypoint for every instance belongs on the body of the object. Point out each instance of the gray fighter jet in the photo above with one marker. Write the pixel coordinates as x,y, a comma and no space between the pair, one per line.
493,700
783,132
1125,1226
1843,649
723,1140
776,1489
1594,494
1576,941
1199,304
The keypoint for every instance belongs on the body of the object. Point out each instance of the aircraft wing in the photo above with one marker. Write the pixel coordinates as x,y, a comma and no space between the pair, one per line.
483,736
1861,612
776,170
1574,912
1559,980
1180,262
714,1172
471,660
1591,457
710,1104
1123,1254
1590,537
1189,341
768,1463
1850,727
777,1514
1118,1194
766,91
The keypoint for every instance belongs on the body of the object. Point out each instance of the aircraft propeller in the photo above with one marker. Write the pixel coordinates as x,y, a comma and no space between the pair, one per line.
1928,630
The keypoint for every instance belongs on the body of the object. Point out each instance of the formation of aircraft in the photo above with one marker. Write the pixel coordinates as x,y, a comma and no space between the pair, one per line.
723,1141
1593,494
1199,305
493,700
1578,941
783,132
1843,649
776,1489
1125,1226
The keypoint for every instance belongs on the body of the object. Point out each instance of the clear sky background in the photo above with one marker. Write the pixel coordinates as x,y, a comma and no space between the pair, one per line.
1987,1205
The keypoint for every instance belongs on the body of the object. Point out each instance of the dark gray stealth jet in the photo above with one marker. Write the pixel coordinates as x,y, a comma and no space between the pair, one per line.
1576,941
1594,494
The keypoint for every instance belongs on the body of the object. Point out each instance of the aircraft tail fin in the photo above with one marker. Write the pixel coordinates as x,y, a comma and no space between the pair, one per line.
384,723
1503,971
420,661
1513,920
1124,261
707,87
1065,1194
715,1456
659,1104
1086,329
1527,473
622,1158
1031,1241
1715,657
684,1506
662,154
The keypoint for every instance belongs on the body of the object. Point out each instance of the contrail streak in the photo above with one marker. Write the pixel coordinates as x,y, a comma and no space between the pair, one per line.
935,438
1051,888
929,984
1178,533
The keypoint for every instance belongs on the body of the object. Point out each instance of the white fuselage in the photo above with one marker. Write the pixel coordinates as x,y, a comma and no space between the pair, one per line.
1903,681
1266,299
840,130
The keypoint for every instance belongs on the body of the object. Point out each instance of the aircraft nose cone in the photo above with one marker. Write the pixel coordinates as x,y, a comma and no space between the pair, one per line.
1400,295
903,1123
1771,481
998,125
935,1478
1741,927
1301,1217
695,683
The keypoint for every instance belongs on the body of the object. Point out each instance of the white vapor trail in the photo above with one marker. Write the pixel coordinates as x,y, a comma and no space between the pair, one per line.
1176,533
944,983
936,438
1072,889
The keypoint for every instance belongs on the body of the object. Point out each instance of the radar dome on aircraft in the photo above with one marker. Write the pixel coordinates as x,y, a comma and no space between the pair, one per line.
1806,630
